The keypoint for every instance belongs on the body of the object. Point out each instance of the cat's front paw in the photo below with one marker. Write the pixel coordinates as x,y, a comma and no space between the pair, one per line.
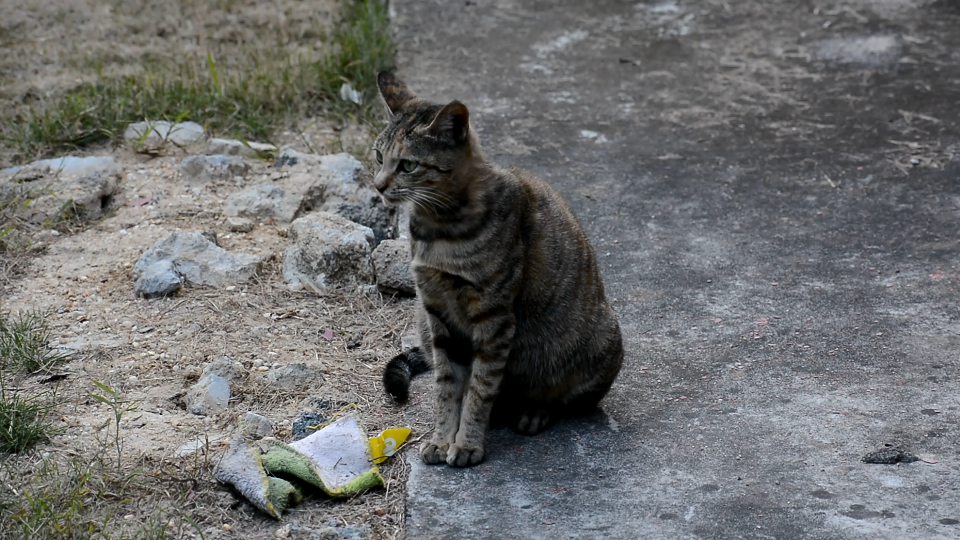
464,455
433,453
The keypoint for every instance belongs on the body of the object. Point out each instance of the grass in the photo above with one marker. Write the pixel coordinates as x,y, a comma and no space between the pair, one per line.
24,349
23,419
24,340
273,89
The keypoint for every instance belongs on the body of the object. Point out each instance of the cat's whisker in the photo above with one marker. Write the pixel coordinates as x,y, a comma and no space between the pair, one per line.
444,196
413,196
434,198
419,199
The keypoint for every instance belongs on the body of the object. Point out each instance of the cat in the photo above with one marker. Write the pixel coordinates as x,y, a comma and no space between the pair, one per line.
511,308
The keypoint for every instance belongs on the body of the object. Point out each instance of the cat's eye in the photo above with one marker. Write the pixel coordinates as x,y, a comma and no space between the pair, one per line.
408,166
379,157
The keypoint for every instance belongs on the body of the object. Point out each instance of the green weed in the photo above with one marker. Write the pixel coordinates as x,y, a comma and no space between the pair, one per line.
23,419
24,344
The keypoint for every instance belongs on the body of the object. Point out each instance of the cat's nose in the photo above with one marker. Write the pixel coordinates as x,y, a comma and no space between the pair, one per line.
381,182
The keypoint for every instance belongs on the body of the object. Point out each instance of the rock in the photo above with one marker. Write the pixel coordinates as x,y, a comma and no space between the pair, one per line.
157,280
369,291
375,215
195,446
306,533
265,201
233,147
199,261
889,455
210,235
333,183
239,224
349,533
292,376
201,169
93,343
391,262
403,223
880,51
256,426
303,425
155,134
209,396
232,371
87,197
355,340
289,157
68,166
328,250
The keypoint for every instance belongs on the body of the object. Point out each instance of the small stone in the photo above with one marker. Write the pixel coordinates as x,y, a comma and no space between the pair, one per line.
195,446
265,201
355,340
889,455
157,280
877,51
328,250
292,376
68,166
211,395
229,369
202,169
234,147
155,134
86,197
256,426
403,223
391,262
239,224
306,423
326,533
199,261
350,533
335,183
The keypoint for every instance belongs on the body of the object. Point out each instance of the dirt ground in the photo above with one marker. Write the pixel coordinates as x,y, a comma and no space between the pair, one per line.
151,350
50,45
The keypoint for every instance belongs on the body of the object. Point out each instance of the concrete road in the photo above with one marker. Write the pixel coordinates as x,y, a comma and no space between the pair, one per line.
774,191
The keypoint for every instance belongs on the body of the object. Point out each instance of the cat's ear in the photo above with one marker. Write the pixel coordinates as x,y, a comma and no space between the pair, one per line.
452,123
395,93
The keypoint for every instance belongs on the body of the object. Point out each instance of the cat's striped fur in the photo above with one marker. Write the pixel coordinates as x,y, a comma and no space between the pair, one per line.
511,306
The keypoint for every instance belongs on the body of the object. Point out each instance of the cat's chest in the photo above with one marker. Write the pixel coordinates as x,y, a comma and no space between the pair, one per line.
447,282
443,256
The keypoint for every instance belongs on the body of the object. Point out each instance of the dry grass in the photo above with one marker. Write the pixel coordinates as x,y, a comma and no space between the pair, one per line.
240,67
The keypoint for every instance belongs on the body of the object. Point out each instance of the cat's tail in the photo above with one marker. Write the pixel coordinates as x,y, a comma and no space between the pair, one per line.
401,369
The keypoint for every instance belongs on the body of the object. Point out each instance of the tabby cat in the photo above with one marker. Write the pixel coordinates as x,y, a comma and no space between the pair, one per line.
511,309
